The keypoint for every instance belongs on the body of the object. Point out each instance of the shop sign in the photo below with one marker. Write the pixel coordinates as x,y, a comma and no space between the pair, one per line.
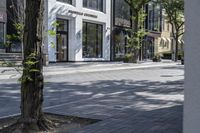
83,14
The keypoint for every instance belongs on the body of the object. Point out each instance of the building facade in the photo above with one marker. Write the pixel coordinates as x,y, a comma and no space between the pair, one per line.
121,26
3,21
158,39
96,30
82,30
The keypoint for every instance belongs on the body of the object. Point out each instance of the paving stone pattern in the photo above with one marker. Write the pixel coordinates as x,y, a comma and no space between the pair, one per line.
127,101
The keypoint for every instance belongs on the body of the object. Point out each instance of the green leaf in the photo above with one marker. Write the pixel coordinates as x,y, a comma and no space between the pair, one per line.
52,45
52,32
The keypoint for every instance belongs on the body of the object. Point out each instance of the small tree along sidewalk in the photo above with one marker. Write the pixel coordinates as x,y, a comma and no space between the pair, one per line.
137,32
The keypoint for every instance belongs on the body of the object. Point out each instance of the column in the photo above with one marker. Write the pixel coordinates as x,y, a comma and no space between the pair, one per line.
192,67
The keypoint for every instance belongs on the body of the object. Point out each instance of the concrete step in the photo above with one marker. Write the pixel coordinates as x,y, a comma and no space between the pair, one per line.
2,50
10,59
10,54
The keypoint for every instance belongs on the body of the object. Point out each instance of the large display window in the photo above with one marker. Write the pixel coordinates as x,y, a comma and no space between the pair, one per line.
92,40
122,13
2,36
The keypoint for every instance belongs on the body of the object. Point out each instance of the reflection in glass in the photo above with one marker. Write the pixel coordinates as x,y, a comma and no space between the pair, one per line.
62,25
66,1
148,48
122,13
92,40
93,4
1,35
154,17
62,40
120,43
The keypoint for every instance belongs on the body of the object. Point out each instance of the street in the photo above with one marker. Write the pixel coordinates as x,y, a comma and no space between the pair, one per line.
107,95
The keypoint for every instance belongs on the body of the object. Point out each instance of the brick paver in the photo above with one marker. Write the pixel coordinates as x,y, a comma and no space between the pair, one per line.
127,101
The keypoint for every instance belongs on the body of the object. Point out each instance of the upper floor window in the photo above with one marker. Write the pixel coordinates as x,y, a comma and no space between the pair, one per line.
122,13
66,1
154,17
93,4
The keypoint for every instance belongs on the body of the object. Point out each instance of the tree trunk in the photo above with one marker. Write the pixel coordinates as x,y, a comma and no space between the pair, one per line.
135,23
32,117
176,47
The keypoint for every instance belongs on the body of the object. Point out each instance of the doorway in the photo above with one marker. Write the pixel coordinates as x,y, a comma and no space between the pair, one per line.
62,40
148,49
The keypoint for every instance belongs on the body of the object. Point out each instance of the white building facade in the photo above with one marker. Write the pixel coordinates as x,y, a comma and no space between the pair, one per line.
82,30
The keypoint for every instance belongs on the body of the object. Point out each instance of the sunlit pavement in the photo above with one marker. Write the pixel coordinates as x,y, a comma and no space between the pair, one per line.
142,100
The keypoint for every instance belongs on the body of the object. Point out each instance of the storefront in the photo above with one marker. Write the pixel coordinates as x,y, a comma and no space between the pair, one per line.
121,21
148,48
83,30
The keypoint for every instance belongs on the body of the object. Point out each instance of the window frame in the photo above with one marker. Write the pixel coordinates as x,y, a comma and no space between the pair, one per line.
96,36
62,1
114,17
3,35
96,9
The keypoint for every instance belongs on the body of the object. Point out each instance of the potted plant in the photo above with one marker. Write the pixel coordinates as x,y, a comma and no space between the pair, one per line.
157,58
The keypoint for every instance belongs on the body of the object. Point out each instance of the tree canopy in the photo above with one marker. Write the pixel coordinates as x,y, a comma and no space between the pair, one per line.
174,10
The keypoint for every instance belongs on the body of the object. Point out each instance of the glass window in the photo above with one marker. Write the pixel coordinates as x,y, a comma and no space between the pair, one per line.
62,25
93,4
122,13
150,17
1,35
92,40
66,1
154,17
62,40
120,43
157,17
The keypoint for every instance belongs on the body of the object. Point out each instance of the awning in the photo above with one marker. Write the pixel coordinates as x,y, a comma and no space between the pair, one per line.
164,39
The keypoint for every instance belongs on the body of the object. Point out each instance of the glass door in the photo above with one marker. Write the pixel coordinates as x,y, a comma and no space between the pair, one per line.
62,40
62,47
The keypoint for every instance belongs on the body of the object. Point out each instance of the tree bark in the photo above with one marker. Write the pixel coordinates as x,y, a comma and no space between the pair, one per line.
135,23
32,117
176,47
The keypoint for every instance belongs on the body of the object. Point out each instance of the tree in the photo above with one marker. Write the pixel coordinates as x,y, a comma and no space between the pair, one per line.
137,24
175,15
32,117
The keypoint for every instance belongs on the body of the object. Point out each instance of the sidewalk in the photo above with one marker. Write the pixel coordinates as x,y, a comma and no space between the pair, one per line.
82,67
129,101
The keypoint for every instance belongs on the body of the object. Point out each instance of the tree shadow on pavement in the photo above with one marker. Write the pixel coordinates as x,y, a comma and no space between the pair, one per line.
101,99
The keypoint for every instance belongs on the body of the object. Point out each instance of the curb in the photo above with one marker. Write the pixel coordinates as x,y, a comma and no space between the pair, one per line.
84,70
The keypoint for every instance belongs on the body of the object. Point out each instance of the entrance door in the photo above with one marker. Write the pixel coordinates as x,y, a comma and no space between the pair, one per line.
148,49
62,40
62,47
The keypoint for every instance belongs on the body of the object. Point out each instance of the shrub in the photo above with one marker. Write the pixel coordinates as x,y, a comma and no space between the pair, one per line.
129,58
157,58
